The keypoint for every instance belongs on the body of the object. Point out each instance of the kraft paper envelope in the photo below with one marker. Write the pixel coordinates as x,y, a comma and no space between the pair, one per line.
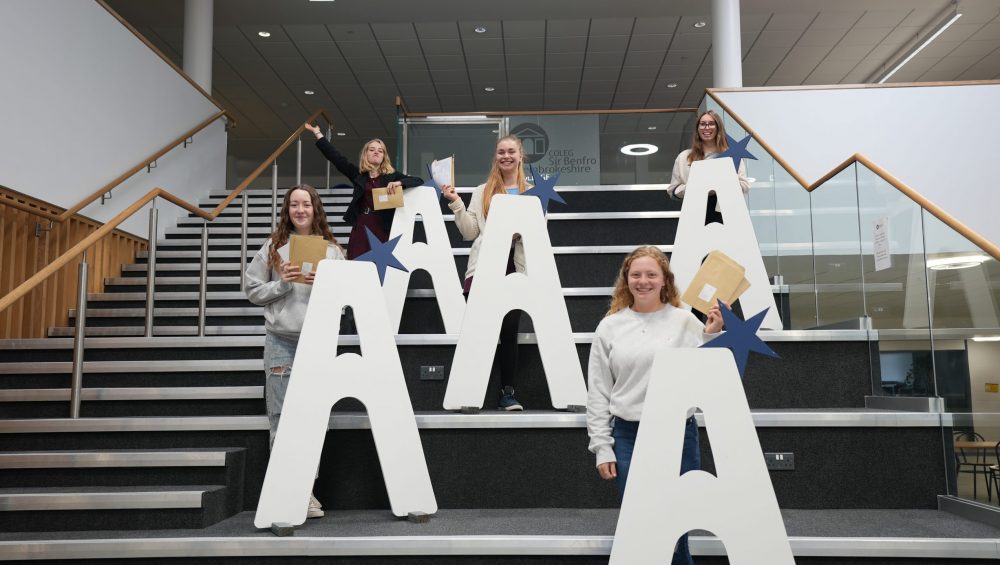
306,251
443,171
719,278
383,200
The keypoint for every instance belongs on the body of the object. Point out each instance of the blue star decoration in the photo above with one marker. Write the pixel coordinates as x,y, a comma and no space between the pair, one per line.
544,189
741,337
432,182
737,150
382,255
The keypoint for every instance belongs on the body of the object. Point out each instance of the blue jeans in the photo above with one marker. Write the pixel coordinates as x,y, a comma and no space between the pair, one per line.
624,433
279,352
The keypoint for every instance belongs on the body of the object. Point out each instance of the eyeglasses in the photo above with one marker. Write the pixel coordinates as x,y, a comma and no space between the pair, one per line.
706,124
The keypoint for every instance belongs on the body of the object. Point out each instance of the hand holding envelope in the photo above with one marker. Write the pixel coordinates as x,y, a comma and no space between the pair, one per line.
306,251
719,278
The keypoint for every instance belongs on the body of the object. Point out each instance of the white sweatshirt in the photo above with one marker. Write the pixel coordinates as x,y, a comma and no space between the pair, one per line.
471,224
621,358
679,177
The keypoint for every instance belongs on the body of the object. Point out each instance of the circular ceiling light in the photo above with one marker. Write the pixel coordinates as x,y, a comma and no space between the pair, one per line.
651,128
639,149
671,85
489,89
308,92
700,25
956,262
341,134
264,33
480,29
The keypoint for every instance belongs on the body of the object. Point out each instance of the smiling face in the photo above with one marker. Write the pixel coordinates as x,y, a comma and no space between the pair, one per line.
707,128
508,156
300,211
375,153
645,280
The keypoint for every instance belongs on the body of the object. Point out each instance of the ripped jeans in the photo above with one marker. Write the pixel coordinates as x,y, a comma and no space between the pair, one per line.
279,352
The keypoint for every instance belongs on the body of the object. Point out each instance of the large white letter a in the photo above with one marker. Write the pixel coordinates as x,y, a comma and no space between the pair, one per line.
320,378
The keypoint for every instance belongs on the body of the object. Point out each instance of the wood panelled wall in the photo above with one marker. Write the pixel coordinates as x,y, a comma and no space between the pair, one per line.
22,254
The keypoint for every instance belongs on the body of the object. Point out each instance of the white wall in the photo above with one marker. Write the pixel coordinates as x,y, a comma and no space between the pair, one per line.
84,100
939,140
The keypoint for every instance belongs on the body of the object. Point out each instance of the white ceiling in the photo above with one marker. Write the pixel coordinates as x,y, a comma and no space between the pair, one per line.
543,54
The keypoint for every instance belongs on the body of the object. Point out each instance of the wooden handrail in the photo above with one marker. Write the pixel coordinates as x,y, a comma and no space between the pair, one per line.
28,285
68,213
951,221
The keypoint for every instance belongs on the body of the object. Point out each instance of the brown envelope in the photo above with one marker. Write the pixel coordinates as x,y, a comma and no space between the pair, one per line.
719,278
383,200
306,251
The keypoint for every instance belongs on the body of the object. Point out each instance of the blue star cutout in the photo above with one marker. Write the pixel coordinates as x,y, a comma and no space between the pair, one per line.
382,255
737,150
432,182
741,337
544,189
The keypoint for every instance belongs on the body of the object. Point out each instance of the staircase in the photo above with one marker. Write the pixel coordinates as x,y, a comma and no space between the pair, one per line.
173,438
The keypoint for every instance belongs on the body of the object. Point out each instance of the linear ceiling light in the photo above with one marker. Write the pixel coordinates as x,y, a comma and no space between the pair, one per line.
936,31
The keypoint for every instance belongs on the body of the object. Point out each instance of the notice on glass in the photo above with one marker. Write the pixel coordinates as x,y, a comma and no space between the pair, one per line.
880,244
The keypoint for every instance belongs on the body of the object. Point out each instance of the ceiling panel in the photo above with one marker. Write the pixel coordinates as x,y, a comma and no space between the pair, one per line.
441,46
393,31
437,30
367,48
376,63
319,49
566,28
648,59
656,25
479,61
607,43
605,59
691,41
650,42
521,29
564,60
399,47
278,49
306,32
611,26
568,73
566,44
467,29
351,32
525,45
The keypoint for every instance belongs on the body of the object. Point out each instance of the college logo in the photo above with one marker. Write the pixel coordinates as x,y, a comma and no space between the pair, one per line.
534,139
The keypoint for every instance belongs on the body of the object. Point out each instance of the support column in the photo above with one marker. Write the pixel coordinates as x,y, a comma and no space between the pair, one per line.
198,21
727,53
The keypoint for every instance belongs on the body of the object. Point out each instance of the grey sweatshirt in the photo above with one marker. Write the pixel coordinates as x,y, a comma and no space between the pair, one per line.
284,302
621,358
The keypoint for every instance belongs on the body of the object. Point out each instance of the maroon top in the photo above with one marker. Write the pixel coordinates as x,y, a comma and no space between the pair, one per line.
358,242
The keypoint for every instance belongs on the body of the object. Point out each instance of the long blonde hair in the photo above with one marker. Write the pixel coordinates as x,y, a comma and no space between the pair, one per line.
698,146
384,168
622,298
494,183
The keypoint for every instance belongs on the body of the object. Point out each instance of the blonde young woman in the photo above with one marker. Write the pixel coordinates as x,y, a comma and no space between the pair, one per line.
645,315
708,141
270,283
506,177
375,171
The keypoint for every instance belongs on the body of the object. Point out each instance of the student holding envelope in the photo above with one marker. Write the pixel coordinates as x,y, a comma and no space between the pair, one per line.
375,171
506,177
645,315
273,281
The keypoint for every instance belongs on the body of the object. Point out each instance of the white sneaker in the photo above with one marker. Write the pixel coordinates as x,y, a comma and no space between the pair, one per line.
315,508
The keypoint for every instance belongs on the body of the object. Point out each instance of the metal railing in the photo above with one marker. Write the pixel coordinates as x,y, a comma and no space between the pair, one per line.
80,250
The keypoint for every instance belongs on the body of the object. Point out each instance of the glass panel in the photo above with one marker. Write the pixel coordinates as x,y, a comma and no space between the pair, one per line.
836,244
793,240
472,144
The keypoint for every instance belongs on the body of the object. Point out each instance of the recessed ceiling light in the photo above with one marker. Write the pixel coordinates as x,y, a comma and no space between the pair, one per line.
651,128
700,25
308,92
671,85
986,338
480,29
489,89
341,134
264,33
639,149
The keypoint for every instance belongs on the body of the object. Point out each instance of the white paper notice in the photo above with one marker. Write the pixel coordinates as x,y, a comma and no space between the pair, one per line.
383,198
442,171
880,244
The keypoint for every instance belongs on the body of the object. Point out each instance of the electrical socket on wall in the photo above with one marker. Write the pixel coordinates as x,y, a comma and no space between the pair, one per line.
432,372
780,461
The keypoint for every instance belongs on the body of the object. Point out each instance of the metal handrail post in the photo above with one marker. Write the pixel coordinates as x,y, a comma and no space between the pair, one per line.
298,161
243,244
203,280
151,272
329,132
78,339
274,196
